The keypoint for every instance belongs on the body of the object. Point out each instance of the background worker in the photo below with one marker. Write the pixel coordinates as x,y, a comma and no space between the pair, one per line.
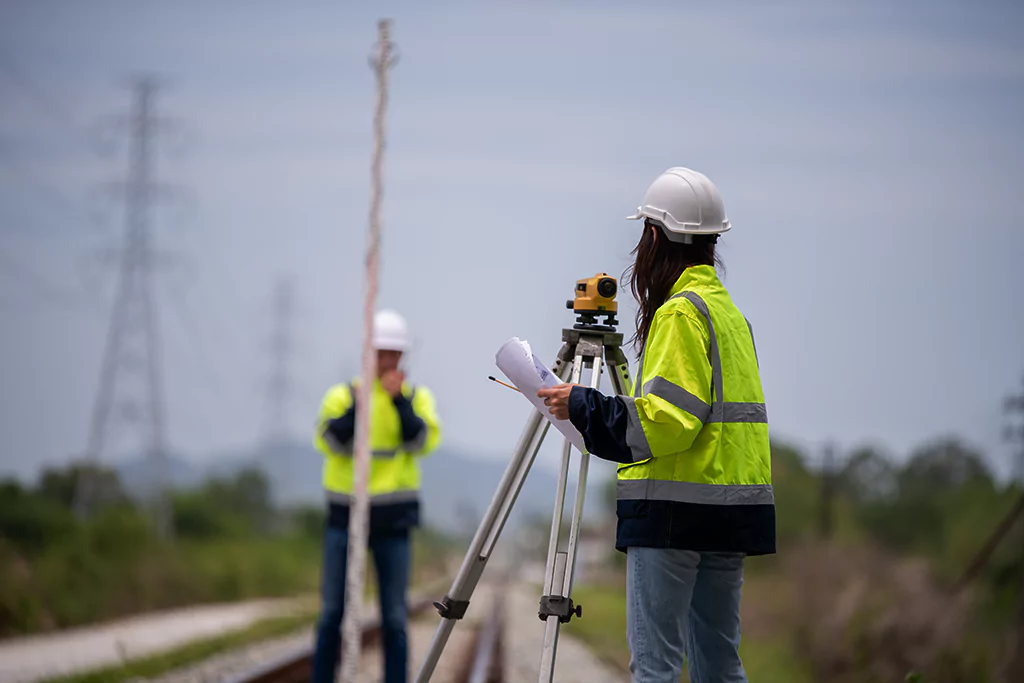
403,427
694,481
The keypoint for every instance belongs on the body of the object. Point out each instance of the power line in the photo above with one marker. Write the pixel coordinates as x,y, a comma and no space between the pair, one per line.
40,288
57,114
197,343
202,412
279,385
18,170
42,100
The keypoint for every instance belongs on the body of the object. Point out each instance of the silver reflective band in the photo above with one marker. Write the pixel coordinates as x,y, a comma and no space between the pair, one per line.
333,444
635,437
739,412
346,448
679,397
639,376
375,499
722,411
752,343
689,492
716,358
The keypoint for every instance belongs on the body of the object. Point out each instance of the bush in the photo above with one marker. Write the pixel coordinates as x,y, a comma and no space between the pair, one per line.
56,572
865,617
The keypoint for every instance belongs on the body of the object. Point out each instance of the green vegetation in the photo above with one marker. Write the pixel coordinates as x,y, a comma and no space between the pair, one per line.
862,588
230,543
861,591
766,657
191,653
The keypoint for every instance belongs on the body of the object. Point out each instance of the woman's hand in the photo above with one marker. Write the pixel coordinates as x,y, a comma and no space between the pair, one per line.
557,399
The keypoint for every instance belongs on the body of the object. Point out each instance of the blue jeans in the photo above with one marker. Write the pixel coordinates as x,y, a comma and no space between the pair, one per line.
681,601
391,557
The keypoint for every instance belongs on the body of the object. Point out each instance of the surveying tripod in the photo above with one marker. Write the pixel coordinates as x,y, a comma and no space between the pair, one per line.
588,343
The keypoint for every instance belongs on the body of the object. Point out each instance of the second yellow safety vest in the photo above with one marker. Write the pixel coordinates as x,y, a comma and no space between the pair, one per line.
394,466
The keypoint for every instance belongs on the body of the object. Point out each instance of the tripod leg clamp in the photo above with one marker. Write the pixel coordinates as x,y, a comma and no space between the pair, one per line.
452,609
557,606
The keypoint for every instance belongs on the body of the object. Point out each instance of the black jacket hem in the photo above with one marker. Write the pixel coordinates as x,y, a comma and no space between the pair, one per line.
746,529
384,519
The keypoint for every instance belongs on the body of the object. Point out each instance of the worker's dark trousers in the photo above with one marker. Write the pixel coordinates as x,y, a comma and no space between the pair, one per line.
391,557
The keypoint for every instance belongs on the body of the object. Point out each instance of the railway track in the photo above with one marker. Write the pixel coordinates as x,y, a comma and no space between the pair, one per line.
482,664
486,663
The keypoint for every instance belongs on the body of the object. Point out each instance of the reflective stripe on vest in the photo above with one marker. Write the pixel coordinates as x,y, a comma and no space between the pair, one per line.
341,498
690,492
722,411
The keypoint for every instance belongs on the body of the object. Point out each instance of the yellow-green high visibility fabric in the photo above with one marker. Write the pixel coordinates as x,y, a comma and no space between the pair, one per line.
698,429
394,465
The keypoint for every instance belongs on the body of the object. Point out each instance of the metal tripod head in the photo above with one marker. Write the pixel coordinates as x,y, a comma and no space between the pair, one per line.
588,342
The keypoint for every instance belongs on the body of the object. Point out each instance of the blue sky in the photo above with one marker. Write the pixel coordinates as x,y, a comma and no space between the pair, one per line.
870,157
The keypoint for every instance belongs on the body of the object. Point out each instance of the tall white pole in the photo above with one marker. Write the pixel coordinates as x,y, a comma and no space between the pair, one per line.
360,506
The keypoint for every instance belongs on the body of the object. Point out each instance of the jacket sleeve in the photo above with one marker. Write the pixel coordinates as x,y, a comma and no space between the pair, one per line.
429,438
674,402
335,425
602,420
412,425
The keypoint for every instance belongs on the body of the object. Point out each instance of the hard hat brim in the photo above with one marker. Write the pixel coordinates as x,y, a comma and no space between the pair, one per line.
387,346
679,229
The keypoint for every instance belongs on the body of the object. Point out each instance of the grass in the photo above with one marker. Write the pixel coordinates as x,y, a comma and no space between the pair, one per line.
768,658
199,650
76,584
191,653
603,626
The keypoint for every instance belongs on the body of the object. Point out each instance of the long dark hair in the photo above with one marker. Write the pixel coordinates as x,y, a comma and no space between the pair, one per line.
658,264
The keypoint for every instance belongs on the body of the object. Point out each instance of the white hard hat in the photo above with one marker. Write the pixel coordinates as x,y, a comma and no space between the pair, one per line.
390,331
684,202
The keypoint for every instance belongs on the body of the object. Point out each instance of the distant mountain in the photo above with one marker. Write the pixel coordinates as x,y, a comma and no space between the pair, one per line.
137,474
456,488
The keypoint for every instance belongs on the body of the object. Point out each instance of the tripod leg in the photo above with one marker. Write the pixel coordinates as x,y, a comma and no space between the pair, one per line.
563,478
581,490
561,566
454,605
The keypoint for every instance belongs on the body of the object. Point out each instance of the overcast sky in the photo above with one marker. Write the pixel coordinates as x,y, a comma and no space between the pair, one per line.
871,158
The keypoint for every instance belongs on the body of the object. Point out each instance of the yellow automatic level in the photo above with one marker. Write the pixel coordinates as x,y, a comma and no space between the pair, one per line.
595,295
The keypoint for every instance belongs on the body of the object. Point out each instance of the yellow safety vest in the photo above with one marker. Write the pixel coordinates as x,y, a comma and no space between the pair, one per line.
698,430
394,466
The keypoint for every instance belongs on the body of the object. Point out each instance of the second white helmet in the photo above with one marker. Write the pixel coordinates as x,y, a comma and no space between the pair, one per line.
390,331
684,202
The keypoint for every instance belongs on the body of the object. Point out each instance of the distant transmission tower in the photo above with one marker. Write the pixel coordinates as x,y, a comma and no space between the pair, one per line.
279,384
131,386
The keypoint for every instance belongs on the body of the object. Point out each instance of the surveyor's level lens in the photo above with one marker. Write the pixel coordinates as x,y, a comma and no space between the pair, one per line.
606,287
